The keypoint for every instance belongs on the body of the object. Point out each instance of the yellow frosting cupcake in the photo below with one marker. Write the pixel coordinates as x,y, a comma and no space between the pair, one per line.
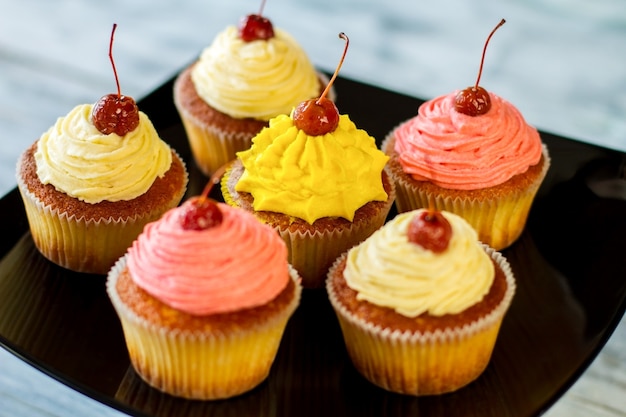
323,194
418,321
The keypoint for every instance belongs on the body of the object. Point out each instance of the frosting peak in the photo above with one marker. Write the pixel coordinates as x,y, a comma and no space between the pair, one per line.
86,164
240,263
259,79
311,177
457,151
390,271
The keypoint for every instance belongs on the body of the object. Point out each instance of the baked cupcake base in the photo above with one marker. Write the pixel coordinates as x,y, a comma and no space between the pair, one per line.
199,357
214,137
497,213
88,237
313,247
426,355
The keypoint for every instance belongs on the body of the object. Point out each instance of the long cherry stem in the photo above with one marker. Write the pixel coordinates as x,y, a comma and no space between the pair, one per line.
262,7
215,179
332,80
482,60
117,81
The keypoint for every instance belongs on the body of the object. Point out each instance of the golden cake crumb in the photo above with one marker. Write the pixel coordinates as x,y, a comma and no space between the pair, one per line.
160,194
160,314
387,318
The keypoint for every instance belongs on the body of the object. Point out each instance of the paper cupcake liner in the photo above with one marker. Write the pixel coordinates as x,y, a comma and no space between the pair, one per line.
200,365
211,146
499,221
422,363
311,251
84,245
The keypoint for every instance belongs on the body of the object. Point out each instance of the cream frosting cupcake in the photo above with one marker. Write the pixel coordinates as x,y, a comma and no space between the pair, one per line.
203,311
415,320
235,87
88,195
323,194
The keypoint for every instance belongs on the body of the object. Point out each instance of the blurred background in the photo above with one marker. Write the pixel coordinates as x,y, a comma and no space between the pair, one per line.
560,62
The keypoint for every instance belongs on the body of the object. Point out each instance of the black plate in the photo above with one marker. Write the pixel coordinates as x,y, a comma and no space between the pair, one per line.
571,294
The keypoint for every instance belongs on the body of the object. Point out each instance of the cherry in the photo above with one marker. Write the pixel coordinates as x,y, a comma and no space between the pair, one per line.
431,230
202,212
115,113
256,27
320,116
475,100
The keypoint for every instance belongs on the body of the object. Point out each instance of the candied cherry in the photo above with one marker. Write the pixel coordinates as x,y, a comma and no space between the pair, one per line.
475,100
255,27
115,113
202,212
431,230
319,116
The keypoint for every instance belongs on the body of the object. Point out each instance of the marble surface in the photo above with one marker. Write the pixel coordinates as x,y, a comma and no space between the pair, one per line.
560,62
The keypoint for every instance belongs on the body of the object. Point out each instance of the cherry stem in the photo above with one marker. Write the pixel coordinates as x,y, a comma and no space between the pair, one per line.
482,60
332,80
262,7
215,178
117,80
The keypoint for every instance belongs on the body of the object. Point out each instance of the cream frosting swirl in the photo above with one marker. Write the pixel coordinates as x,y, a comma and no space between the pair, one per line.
457,151
390,271
238,264
83,163
311,177
259,79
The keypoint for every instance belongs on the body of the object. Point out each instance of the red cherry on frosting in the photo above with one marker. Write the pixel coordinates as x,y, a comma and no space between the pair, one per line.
475,100
316,117
320,116
202,212
256,27
431,230
115,113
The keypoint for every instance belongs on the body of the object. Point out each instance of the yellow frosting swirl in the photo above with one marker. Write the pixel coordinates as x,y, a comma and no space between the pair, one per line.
389,271
86,164
259,79
311,177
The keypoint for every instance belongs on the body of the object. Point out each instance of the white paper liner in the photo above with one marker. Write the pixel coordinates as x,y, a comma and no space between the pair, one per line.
85,245
201,365
439,353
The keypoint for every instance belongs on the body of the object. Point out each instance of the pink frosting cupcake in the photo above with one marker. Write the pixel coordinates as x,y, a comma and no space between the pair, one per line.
204,303
472,153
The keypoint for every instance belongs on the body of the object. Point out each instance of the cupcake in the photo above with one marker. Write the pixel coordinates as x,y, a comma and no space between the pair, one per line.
248,75
420,303
484,163
318,180
94,179
204,295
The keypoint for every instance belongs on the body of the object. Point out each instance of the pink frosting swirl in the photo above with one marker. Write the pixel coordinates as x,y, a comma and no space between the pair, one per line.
238,264
453,150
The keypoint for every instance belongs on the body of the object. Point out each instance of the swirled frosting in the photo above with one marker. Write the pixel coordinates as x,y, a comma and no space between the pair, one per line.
240,263
390,271
83,163
456,151
259,79
311,177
